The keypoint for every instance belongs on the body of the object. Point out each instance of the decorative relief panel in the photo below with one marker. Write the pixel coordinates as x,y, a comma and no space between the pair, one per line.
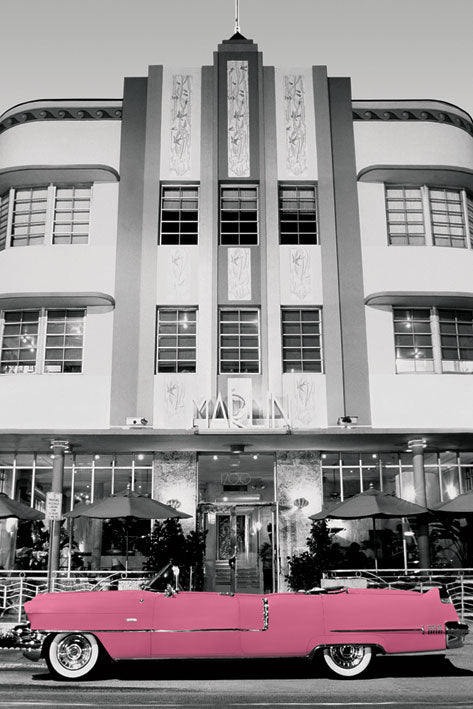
299,477
240,401
300,275
177,275
239,273
305,393
238,119
296,128
295,122
174,400
175,478
181,124
300,284
180,130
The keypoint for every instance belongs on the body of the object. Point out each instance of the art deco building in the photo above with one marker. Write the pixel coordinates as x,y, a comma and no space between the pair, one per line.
242,291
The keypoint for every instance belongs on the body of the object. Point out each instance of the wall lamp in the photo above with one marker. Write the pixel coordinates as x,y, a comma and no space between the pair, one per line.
347,421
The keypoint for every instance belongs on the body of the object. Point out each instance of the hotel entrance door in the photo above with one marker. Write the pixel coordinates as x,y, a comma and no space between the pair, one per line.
240,546
237,511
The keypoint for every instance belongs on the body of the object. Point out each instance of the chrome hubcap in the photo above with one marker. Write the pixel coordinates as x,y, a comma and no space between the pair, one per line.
74,652
347,656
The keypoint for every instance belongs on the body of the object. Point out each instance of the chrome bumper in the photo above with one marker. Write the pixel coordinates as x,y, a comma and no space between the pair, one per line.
456,633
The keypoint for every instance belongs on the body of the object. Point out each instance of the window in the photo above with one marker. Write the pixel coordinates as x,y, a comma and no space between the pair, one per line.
42,341
176,340
238,215
51,214
179,215
29,216
433,340
429,215
301,340
405,215
64,341
20,342
239,341
413,340
4,204
448,224
297,214
71,215
456,340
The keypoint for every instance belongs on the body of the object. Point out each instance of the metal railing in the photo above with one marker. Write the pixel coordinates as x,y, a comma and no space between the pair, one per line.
459,583
18,587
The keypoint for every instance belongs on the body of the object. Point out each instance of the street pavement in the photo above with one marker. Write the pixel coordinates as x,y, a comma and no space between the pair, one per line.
395,682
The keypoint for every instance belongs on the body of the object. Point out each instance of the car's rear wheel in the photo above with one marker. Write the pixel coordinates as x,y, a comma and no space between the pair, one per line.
348,660
73,655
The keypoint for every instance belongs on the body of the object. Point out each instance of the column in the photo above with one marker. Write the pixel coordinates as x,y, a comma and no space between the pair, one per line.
417,447
59,448
299,494
175,478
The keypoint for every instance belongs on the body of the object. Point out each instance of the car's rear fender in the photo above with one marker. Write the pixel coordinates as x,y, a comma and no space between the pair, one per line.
376,648
375,643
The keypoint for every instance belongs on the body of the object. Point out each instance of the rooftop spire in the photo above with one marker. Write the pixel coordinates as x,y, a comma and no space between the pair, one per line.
237,35
237,16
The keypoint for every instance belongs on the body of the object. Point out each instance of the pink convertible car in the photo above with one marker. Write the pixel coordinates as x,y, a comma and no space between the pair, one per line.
346,627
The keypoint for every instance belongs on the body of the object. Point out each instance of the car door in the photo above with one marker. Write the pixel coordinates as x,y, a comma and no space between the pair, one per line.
279,624
191,624
126,618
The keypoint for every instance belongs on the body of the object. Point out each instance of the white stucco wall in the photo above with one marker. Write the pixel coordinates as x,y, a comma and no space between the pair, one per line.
68,268
406,268
37,401
413,400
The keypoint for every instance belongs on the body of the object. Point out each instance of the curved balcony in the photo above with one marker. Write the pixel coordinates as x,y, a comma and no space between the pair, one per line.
411,133
63,133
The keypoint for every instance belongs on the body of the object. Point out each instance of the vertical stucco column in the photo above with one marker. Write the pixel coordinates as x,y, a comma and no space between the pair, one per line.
345,342
299,494
58,448
417,448
175,478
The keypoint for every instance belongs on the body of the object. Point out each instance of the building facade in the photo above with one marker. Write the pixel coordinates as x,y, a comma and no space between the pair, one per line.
242,292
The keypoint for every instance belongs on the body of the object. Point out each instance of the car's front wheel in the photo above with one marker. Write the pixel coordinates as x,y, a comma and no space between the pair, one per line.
348,660
73,655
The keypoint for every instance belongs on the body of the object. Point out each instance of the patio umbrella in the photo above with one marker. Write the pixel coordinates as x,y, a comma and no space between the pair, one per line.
375,504
12,508
461,505
129,505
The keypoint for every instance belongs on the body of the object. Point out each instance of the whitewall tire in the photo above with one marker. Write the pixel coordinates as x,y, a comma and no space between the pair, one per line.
73,655
347,660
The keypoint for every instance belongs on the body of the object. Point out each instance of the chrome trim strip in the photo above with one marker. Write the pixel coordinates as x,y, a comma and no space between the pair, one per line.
380,630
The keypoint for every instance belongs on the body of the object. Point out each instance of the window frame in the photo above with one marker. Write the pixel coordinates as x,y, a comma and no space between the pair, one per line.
238,186
300,335
48,239
297,234
466,211
41,339
439,365
238,335
178,185
179,309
